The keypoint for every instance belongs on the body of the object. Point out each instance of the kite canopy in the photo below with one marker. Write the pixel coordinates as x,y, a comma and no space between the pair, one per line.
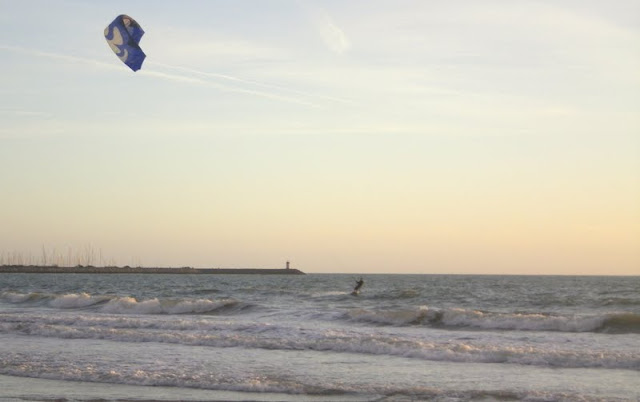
123,36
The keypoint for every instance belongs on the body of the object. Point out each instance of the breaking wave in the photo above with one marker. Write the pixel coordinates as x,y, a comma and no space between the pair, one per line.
27,366
613,323
208,332
125,304
449,318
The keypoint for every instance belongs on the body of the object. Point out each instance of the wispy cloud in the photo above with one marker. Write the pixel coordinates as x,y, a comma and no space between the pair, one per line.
332,35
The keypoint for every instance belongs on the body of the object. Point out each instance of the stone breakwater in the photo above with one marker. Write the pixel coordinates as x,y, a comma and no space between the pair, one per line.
142,270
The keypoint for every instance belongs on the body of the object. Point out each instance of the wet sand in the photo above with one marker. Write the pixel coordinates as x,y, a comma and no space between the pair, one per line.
37,389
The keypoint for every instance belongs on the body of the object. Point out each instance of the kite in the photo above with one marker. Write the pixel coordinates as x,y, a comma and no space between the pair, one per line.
123,36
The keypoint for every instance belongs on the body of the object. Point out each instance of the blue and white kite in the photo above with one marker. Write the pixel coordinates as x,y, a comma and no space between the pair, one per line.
123,36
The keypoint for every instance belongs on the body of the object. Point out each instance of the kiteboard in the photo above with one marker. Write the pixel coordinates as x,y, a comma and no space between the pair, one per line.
355,293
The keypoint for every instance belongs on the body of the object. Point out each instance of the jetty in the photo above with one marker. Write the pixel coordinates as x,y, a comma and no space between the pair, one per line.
80,269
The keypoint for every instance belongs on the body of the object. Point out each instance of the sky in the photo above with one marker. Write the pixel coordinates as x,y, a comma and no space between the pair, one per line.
377,136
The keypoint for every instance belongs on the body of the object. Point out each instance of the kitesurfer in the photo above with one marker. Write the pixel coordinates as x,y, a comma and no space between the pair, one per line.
359,284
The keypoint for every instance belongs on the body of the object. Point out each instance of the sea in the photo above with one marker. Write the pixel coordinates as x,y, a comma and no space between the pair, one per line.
181,337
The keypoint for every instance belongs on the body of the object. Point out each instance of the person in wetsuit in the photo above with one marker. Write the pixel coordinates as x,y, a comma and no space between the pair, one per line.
359,284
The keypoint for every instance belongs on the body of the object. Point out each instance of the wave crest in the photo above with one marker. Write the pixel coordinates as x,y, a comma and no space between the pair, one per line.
123,304
615,323
208,332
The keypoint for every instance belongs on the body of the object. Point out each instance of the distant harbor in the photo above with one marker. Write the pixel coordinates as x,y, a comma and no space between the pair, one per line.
80,269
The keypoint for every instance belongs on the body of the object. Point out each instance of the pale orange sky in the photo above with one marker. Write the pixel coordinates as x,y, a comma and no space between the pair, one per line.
461,138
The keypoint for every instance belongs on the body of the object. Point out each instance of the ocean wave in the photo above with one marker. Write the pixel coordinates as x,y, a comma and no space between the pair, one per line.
614,323
125,304
330,294
622,301
130,305
122,322
27,298
205,332
20,365
621,323
76,300
447,318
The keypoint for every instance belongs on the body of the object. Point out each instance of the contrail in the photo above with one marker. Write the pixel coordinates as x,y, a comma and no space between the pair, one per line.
249,82
39,53
26,113
222,87
187,79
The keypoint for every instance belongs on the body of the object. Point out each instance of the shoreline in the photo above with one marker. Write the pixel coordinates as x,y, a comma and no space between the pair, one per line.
36,269
21,388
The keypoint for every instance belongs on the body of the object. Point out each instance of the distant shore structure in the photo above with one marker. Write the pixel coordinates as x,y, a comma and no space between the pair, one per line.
80,269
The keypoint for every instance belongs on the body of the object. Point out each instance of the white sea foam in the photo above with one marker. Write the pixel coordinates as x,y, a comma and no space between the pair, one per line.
74,300
120,305
13,297
18,298
330,294
199,372
199,332
129,305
